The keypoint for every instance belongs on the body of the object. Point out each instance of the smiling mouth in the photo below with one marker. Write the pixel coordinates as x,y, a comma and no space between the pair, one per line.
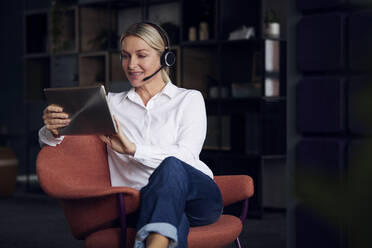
135,74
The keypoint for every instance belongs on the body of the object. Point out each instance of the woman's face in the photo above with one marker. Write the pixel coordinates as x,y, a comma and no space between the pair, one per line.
139,60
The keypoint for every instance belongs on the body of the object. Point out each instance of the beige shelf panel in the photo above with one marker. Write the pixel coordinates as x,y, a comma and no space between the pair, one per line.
93,68
198,63
101,67
116,70
93,23
68,39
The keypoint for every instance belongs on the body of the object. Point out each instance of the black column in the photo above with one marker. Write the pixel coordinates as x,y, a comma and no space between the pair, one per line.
333,111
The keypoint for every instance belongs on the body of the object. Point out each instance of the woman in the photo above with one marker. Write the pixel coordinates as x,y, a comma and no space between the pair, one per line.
156,150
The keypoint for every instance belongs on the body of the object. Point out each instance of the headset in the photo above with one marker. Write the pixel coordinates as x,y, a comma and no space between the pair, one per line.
168,58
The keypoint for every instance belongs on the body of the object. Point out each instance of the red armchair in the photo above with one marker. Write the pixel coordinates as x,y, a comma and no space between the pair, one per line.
76,172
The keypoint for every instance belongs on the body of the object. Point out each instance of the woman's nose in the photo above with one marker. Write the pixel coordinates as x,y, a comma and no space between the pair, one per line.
132,63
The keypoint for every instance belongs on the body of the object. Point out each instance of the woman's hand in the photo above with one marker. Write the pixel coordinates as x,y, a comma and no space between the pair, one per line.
55,118
119,142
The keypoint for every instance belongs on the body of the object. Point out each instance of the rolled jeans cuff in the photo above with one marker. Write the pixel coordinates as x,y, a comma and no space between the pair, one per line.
161,228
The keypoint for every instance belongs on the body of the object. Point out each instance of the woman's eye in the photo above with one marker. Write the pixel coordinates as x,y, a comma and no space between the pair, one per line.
124,56
142,55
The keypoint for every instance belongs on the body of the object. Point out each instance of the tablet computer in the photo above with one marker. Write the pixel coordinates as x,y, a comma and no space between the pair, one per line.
87,108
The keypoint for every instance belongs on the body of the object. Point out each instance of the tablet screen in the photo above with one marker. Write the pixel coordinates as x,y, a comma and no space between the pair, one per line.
87,108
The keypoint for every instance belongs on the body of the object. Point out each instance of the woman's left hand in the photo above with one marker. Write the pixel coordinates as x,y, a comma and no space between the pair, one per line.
119,142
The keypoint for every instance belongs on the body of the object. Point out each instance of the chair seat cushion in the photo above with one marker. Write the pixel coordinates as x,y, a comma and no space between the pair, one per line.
216,235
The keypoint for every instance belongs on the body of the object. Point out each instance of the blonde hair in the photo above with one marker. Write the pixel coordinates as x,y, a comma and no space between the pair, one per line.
152,37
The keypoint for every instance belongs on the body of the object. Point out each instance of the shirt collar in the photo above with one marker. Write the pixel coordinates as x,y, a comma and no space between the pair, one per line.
131,94
169,90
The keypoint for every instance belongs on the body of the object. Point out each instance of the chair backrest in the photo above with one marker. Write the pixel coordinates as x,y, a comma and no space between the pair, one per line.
79,164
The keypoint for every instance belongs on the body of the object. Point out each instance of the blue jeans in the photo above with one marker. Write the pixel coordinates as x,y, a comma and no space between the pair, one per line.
177,196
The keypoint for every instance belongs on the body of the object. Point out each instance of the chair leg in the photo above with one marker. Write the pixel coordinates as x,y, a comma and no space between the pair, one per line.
243,216
123,222
237,243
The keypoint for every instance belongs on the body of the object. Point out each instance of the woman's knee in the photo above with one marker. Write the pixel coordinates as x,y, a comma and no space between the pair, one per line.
171,160
170,163
170,174
171,166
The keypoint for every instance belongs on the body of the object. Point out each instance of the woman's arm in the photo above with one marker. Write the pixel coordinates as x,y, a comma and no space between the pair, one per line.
54,118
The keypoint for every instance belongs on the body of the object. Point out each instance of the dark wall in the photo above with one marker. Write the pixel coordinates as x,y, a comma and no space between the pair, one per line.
331,86
12,108
11,62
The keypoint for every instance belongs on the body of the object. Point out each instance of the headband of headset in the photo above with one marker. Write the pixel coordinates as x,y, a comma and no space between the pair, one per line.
162,33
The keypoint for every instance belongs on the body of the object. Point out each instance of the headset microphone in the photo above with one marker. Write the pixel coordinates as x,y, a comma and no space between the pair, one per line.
147,78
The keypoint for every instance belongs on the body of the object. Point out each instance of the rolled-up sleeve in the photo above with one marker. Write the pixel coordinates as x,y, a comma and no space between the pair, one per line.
47,138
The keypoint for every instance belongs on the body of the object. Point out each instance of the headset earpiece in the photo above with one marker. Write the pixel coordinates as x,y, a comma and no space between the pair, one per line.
168,58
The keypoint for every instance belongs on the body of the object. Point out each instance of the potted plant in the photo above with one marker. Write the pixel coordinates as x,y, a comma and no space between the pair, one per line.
271,24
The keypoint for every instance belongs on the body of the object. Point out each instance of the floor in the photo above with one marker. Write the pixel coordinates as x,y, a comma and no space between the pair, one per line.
30,219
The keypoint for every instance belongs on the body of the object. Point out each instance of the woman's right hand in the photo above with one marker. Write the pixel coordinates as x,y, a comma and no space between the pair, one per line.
55,118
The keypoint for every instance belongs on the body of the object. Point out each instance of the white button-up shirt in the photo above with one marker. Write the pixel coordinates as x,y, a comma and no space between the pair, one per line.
173,123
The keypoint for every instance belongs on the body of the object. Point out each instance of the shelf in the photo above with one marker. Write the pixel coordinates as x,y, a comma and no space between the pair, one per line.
36,28
199,43
64,35
64,71
198,65
162,1
274,98
105,64
253,41
36,11
115,69
38,77
93,69
234,14
95,53
36,55
273,157
271,38
98,29
65,53
241,63
112,3
194,12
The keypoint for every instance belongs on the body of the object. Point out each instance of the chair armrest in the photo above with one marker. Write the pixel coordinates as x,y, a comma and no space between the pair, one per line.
87,197
234,188
82,193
